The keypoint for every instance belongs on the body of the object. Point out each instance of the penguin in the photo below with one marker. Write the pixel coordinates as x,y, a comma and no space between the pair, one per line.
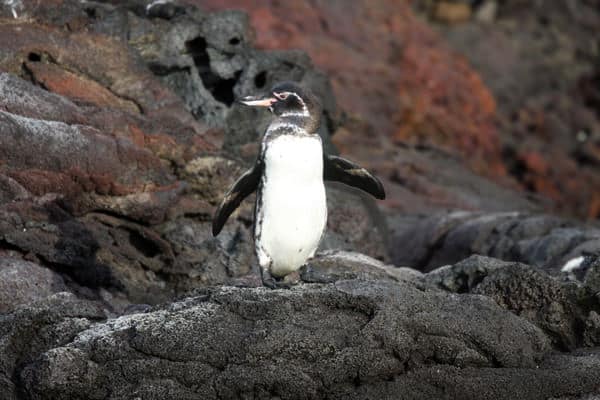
290,213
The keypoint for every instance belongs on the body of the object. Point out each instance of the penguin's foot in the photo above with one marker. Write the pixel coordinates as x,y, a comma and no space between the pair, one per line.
285,283
273,283
292,278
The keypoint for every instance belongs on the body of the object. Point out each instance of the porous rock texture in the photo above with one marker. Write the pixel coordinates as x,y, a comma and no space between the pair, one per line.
119,135
373,337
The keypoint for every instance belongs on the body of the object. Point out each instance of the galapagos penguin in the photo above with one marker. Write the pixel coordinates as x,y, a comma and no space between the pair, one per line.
290,214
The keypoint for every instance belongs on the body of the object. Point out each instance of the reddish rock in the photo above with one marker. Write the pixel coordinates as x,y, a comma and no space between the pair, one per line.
107,177
541,63
444,102
388,68
98,58
400,85
77,88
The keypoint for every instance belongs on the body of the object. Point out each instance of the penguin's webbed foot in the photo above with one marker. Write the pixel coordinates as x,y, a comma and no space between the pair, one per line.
273,283
285,283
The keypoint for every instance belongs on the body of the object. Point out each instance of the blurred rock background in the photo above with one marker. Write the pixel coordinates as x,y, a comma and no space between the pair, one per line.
508,87
119,135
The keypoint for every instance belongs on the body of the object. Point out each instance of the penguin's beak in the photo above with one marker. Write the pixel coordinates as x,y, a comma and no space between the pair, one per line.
258,101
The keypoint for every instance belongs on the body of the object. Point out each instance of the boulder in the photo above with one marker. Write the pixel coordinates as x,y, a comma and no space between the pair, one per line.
427,242
361,336
23,282
564,309
33,328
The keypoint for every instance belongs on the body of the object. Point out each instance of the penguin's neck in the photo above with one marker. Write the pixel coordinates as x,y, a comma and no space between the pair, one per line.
302,120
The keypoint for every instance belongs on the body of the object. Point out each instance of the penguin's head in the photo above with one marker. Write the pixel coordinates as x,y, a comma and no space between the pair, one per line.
290,101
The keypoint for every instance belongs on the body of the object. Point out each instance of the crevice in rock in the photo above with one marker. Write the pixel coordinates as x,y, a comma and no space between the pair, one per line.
260,80
34,57
90,12
516,168
5,245
432,250
147,247
221,89
163,70
584,159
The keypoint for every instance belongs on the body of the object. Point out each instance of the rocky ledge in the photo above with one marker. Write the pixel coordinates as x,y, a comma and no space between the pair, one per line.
481,328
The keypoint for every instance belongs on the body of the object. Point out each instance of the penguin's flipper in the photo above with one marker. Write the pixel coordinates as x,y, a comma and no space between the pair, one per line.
244,186
338,169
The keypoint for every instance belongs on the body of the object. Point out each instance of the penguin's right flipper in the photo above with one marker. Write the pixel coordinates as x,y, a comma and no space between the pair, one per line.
243,187
339,169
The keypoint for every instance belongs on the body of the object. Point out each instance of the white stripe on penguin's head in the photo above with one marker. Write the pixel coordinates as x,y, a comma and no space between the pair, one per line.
303,113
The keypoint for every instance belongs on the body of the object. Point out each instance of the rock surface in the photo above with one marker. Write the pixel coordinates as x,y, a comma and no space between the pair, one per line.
541,64
430,241
358,338
23,282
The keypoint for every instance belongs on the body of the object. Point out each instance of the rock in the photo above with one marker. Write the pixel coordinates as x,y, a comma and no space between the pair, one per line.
336,265
351,336
561,308
536,297
548,120
121,134
23,282
436,98
354,223
371,333
400,84
548,242
591,279
37,327
487,11
591,334
464,276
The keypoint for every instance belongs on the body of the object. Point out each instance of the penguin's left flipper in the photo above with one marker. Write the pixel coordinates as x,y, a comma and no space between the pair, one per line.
339,169
243,187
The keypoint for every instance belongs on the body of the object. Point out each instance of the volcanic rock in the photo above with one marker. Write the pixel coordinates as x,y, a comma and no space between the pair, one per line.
545,241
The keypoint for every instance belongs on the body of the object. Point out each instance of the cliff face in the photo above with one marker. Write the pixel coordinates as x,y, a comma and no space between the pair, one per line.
119,134
509,87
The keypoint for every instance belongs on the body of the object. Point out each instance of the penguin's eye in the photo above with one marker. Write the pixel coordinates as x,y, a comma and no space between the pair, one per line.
282,95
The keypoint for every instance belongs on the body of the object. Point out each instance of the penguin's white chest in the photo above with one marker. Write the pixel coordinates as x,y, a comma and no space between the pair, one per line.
292,207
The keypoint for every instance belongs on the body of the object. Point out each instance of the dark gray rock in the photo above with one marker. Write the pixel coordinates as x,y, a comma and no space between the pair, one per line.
545,241
559,373
309,342
564,309
591,334
22,282
37,327
374,332
335,265
591,280
464,276
537,297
